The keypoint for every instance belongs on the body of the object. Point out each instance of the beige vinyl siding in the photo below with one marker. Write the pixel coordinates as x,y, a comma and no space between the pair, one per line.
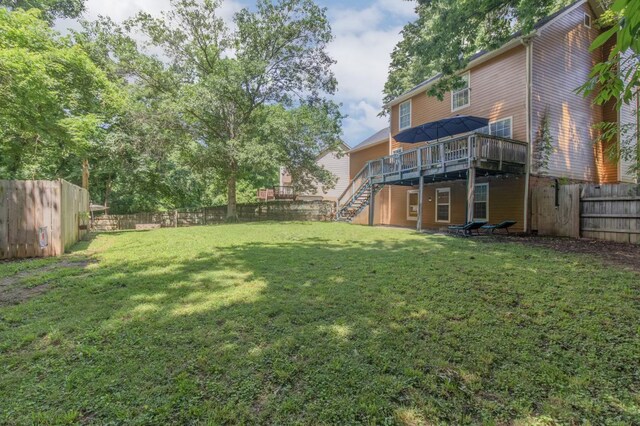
497,91
339,167
628,115
561,62
359,158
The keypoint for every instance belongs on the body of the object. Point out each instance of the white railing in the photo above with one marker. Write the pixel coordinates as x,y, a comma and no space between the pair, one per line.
435,157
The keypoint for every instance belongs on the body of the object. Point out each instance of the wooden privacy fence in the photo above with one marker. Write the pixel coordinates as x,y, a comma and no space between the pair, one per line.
272,211
606,212
611,212
40,218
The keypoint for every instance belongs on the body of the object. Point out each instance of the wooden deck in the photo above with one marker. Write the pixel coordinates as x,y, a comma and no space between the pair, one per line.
446,160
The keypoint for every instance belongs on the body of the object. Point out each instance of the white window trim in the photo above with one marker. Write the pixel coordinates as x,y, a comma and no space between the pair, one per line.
447,189
510,118
468,73
400,115
474,203
413,191
396,151
584,20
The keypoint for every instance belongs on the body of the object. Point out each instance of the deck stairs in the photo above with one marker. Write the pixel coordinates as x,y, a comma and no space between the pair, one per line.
360,199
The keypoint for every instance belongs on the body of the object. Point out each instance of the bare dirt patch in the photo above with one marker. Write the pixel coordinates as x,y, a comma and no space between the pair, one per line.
609,252
12,290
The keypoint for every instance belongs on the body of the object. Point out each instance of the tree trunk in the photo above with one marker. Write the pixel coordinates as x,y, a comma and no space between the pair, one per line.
85,174
107,192
232,213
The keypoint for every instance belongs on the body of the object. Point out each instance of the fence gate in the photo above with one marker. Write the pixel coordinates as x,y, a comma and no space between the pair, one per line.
556,210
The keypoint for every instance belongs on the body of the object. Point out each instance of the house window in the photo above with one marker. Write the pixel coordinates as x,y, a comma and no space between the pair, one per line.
587,20
405,115
500,128
461,97
396,151
481,202
443,204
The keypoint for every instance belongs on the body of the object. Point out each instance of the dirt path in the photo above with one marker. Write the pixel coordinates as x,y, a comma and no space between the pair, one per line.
610,253
12,290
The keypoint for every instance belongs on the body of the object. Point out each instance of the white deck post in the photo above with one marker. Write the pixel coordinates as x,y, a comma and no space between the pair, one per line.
372,207
471,190
420,199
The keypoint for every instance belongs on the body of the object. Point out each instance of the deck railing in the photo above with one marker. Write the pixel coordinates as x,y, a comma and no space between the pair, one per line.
435,157
284,192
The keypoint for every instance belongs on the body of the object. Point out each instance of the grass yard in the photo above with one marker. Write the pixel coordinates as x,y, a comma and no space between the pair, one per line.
315,324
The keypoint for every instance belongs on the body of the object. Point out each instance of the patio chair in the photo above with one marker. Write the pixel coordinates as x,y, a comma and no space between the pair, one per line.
467,229
505,224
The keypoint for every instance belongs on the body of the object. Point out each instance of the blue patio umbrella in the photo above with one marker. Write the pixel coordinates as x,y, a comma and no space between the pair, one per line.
441,129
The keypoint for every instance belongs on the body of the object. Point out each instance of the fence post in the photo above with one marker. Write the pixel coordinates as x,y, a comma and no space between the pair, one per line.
175,218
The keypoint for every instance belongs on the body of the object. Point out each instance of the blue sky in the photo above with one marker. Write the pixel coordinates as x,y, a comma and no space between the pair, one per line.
365,33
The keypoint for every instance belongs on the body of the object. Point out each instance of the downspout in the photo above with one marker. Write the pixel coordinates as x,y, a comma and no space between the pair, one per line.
526,41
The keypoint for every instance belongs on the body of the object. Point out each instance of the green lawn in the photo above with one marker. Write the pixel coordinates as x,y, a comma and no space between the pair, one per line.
317,324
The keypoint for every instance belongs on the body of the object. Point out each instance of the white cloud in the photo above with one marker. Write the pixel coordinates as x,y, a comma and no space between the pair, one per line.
120,10
364,40
362,121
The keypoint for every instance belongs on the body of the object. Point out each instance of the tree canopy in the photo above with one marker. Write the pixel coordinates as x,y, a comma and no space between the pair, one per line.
51,9
53,97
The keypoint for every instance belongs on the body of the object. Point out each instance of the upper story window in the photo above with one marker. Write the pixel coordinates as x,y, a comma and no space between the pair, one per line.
502,128
587,20
405,115
462,97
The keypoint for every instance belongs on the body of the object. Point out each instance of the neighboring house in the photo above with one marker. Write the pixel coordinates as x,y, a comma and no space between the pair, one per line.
336,162
524,86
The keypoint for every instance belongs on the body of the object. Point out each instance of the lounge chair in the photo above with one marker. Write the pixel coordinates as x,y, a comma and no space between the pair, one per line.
467,229
505,224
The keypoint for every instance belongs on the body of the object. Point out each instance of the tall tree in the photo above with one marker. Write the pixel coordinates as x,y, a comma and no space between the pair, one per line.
51,8
53,98
447,33
231,88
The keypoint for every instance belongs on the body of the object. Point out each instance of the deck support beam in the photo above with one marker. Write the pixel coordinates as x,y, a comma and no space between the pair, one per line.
372,203
420,201
471,191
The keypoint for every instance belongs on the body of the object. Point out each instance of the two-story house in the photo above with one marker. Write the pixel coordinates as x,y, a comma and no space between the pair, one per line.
522,88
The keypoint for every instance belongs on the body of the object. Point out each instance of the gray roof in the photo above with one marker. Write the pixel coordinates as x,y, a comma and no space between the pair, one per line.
379,136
